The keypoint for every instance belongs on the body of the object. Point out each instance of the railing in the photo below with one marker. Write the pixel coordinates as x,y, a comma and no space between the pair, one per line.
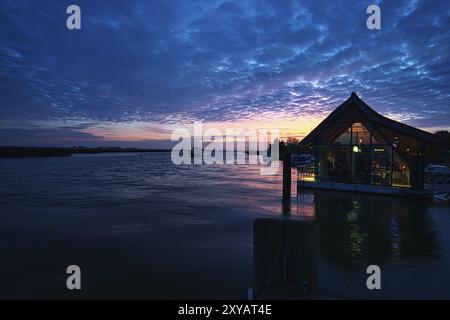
437,181
306,172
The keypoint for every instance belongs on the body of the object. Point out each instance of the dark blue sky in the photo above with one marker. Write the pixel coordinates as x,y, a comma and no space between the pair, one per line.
139,68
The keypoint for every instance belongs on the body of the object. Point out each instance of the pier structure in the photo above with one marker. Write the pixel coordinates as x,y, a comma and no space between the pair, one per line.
357,149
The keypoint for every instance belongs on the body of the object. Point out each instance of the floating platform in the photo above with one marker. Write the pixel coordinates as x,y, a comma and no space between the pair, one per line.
363,188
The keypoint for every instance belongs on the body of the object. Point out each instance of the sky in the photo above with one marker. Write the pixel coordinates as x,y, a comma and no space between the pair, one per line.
139,69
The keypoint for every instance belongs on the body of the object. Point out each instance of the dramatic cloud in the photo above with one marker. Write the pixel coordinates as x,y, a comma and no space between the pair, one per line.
174,61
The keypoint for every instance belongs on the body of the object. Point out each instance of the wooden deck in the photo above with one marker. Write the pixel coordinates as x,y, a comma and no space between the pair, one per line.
364,188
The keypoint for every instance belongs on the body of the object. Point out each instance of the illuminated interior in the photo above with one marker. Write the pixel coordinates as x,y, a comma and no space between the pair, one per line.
357,156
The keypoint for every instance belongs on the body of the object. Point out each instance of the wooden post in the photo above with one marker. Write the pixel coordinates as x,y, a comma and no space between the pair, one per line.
302,254
285,258
287,179
417,172
268,255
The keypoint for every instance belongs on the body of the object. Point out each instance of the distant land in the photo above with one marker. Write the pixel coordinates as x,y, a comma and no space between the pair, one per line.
22,152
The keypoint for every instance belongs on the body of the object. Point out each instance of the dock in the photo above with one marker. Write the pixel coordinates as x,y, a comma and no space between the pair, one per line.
356,149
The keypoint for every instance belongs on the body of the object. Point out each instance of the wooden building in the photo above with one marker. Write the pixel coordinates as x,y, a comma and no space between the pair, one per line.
357,145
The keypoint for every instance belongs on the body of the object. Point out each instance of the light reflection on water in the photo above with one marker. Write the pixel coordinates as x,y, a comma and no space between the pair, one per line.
169,231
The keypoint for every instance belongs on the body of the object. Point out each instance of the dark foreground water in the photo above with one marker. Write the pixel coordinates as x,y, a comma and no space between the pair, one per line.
144,228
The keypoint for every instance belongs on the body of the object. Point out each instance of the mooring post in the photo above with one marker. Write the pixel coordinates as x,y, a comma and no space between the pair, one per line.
285,259
287,178
417,172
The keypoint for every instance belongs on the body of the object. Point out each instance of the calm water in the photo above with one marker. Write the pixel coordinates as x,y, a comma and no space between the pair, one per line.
144,228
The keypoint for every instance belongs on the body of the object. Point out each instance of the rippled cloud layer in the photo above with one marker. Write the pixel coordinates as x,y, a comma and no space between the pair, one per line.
138,67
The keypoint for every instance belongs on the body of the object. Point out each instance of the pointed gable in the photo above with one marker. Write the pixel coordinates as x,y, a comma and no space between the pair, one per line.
354,110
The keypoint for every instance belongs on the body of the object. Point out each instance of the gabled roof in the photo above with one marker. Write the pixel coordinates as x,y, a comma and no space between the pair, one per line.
355,102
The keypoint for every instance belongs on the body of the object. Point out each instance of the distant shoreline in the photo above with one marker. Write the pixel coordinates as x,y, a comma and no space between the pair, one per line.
29,152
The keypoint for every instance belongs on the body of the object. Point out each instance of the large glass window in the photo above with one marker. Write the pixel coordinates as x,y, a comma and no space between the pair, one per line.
345,138
381,165
357,133
360,164
357,157
333,163
360,135
401,172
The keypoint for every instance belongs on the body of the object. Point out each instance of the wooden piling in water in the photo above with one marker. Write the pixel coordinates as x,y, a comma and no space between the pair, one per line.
417,172
285,258
287,178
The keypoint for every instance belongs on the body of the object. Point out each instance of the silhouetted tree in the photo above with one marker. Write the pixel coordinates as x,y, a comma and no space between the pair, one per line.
445,136
292,144
442,133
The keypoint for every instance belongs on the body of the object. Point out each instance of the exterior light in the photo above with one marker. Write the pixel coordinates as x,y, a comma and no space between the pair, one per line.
355,149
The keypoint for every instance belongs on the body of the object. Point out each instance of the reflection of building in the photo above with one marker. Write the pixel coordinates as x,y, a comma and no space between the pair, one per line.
367,228
355,145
